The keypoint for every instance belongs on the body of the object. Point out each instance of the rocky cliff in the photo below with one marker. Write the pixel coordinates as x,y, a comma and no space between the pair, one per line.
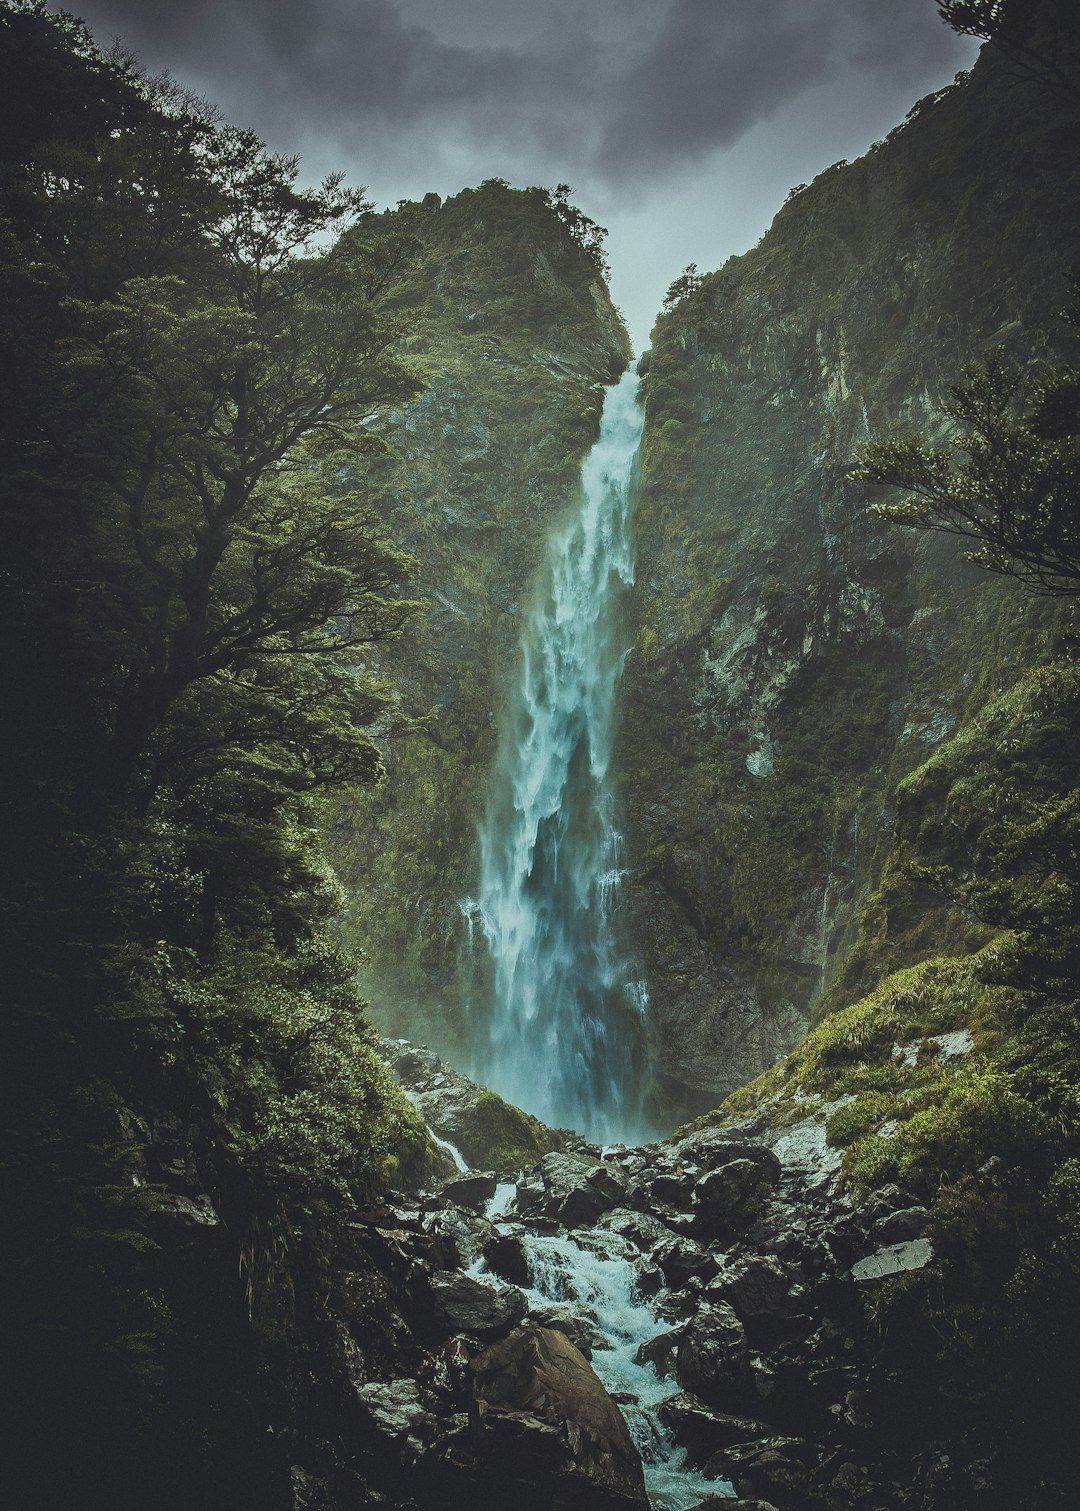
795,657
516,336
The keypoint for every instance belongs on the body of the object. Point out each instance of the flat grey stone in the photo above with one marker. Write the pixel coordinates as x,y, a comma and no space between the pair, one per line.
894,1260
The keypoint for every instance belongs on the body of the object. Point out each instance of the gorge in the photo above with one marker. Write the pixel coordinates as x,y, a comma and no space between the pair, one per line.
543,927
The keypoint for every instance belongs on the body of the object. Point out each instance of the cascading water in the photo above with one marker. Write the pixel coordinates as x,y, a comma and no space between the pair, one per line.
562,1038
601,1288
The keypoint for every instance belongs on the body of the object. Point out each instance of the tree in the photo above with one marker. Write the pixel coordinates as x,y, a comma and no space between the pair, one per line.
1010,481
179,405
687,283
1037,37
583,230
194,346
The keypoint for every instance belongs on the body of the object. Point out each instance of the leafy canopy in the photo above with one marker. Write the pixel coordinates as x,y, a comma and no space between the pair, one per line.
1010,481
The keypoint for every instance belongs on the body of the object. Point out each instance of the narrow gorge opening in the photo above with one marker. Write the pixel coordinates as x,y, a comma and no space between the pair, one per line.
558,1024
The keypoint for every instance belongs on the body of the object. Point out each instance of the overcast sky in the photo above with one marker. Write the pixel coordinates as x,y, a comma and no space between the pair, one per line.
680,124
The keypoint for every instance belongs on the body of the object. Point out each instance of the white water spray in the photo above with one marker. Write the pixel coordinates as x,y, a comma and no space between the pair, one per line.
563,1036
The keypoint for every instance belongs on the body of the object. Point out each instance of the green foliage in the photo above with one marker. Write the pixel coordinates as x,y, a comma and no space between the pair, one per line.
687,284
194,575
868,1110
1010,482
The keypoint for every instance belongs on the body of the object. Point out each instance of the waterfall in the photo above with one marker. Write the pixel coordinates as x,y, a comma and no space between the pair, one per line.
562,1035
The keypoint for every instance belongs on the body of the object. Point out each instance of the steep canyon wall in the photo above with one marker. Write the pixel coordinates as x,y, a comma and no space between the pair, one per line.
795,656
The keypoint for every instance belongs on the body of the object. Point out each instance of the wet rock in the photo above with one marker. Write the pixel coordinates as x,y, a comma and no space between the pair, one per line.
762,1467
681,1260
582,1331
714,1148
662,1188
713,1358
472,1191
758,1289
894,1260
725,1503
393,1410
639,1228
186,1211
462,1305
702,1431
542,1414
886,1199
468,1232
660,1352
898,1227
579,1191
649,1279
489,1133
676,1306
309,1493
445,1369
504,1255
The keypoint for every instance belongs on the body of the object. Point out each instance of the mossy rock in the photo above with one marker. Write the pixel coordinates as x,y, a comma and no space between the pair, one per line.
493,1135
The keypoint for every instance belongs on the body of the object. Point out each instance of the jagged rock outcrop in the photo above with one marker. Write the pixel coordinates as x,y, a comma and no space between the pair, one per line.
484,1130
795,656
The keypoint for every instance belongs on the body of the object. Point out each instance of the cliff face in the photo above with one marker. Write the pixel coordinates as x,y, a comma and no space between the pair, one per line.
516,336
795,657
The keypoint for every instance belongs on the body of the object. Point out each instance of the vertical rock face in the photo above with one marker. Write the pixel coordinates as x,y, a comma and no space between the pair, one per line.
516,334
795,656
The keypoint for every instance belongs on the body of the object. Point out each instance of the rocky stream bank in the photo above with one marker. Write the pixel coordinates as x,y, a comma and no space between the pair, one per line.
676,1325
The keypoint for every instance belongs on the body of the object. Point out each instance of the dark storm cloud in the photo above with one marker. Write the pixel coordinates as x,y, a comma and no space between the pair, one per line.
626,89
715,68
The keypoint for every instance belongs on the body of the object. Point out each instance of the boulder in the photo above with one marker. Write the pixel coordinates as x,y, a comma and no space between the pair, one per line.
488,1132
472,1191
641,1229
659,1352
898,1227
542,1418
713,1148
462,1305
725,1503
683,1259
578,1190
468,1232
504,1255
761,1467
582,1331
309,1493
393,1407
758,1289
726,1198
894,1260
713,1358
702,1431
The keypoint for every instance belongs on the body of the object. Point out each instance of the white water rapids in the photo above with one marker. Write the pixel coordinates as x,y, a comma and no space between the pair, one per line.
562,1037
601,1287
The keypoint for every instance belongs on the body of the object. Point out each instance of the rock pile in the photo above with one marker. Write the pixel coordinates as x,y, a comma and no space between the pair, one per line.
468,1386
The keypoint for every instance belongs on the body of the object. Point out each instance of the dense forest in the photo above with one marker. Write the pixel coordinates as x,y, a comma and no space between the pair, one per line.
277,471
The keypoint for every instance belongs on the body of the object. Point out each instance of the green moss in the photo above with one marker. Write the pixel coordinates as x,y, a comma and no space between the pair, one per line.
869,1110
497,1136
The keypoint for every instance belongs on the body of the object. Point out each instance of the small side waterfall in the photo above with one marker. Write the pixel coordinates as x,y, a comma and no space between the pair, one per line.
562,1036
